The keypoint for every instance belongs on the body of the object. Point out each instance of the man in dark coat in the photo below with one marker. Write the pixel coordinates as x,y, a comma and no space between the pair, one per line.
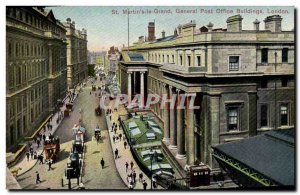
102,163
38,179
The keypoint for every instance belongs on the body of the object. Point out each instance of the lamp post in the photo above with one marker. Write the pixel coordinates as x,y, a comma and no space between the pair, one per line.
153,156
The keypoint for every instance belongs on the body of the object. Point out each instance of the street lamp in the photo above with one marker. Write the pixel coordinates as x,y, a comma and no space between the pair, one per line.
153,156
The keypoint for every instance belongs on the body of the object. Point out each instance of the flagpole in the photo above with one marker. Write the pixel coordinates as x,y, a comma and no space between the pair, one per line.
128,31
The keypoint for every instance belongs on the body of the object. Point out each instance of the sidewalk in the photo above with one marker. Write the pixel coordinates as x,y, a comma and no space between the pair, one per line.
125,154
24,165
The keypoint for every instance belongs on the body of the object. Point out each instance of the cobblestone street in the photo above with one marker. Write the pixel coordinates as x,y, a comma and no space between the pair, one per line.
93,175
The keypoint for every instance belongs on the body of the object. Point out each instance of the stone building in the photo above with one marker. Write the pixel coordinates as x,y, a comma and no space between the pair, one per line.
76,54
243,81
36,69
113,55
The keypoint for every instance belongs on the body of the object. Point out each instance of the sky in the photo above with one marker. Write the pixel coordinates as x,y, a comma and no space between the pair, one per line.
105,29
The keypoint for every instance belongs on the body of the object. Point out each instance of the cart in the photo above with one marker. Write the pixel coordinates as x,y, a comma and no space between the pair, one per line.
51,148
98,111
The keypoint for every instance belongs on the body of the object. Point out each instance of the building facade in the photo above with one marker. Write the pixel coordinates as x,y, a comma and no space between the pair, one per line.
113,55
243,81
76,54
35,67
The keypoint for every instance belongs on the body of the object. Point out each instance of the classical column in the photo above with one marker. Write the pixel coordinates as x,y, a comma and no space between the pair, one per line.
166,117
129,87
252,117
176,57
142,88
180,129
214,114
184,58
192,57
190,146
50,59
173,138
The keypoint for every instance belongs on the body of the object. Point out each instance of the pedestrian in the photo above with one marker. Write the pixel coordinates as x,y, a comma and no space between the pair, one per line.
120,136
125,144
154,184
114,138
145,185
38,179
98,139
131,165
115,130
41,159
34,155
90,93
57,120
27,155
38,143
44,137
141,177
126,165
134,176
116,153
31,154
102,163
124,137
49,164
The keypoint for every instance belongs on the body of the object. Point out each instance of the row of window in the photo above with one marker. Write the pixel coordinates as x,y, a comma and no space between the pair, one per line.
265,55
233,61
25,49
35,95
31,20
165,58
234,116
21,74
284,82
17,130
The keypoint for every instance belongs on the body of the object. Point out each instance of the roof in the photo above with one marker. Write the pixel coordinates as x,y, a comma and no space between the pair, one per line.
271,154
135,57
167,38
131,57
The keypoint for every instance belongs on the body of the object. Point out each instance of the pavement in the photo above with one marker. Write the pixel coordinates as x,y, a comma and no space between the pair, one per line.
94,177
125,155
25,165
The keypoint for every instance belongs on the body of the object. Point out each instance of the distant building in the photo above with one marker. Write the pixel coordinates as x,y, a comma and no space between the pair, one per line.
243,80
36,69
76,54
113,55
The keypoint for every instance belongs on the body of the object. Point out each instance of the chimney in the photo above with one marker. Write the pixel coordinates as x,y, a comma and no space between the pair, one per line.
210,26
163,34
234,23
151,31
179,29
83,32
175,32
141,39
256,25
73,23
273,23
68,20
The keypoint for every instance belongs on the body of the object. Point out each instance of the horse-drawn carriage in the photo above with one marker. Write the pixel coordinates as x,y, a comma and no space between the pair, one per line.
98,111
97,133
69,106
79,132
51,148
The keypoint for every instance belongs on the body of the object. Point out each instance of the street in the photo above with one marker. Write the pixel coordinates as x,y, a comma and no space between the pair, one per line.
94,177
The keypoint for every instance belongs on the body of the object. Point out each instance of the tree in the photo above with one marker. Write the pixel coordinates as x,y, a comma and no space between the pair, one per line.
91,69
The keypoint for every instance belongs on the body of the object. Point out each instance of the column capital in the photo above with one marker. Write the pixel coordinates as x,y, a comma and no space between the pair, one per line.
170,87
178,90
164,84
142,72
129,72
